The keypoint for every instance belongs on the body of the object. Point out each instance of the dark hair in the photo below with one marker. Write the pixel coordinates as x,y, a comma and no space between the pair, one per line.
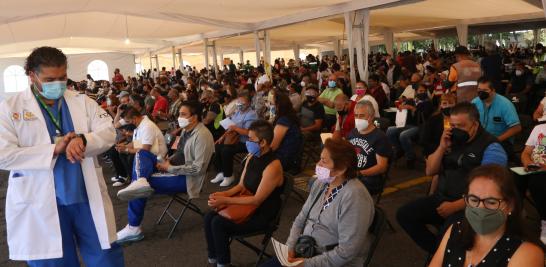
137,99
263,130
245,94
44,56
284,108
374,77
484,79
343,155
468,109
130,113
194,107
504,180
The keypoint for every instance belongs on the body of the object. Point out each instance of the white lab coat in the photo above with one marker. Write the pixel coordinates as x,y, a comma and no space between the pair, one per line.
32,220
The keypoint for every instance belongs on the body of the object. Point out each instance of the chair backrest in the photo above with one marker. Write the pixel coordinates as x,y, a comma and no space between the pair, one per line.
288,185
376,230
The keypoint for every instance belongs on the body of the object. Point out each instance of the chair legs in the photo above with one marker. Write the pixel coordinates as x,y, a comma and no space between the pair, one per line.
260,251
187,205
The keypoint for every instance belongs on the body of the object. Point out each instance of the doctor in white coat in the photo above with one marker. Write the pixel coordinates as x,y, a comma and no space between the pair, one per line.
57,202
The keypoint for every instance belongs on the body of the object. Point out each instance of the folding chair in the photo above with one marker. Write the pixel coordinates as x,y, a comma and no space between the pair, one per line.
185,202
268,232
378,196
376,230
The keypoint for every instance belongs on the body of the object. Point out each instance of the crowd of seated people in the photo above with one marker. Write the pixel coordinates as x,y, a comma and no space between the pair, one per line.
176,122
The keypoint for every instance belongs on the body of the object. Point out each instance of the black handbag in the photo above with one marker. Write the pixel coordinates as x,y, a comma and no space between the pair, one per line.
306,246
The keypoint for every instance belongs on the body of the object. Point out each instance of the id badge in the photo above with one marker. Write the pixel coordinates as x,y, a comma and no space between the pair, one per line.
58,139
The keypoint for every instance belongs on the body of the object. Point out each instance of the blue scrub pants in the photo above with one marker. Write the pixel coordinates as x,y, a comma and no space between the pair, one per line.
78,230
144,166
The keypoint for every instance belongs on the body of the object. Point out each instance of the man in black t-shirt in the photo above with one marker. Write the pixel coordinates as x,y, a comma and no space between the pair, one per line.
212,112
312,112
372,148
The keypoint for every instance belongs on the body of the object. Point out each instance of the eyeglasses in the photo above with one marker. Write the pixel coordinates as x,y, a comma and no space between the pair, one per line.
489,203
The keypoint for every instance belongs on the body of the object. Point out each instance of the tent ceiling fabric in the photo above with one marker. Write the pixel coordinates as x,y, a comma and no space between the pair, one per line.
82,26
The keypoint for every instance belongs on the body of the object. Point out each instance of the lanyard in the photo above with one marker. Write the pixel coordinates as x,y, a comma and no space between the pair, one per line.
57,121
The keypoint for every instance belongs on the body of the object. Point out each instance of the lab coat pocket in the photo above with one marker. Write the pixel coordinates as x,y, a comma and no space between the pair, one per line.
20,190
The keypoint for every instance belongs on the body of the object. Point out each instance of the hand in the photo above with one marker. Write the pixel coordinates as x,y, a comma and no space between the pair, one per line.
292,258
164,166
233,127
219,141
75,150
217,201
218,194
445,141
446,208
121,147
61,146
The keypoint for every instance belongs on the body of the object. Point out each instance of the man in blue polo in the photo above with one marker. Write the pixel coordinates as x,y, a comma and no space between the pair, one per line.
498,116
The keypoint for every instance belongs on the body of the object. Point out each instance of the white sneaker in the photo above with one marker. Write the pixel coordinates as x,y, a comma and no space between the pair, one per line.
129,234
137,189
543,233
227,181
219,177
118,184
118,179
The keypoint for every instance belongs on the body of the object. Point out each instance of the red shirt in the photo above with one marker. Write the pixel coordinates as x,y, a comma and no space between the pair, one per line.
346,123
161,104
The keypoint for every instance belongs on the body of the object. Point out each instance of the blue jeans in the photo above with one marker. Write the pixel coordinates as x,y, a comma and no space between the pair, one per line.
402,138
144,166
78,232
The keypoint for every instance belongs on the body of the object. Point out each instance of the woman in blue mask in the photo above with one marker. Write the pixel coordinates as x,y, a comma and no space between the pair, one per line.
491,233
263,178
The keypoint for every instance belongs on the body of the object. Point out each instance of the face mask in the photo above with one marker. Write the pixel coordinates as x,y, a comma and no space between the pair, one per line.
253,148
360,92
342,112
483,95
302,84
323,175
459,137
519,72
122,122
311,99
53,90
183,122
108,101
273,110
446,111
332,84
414,86
484,221
240,106
361,124
422,96
153,97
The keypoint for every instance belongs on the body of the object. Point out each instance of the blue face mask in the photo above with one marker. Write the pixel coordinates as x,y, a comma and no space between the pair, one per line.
53,90
332,84
253,148
273,110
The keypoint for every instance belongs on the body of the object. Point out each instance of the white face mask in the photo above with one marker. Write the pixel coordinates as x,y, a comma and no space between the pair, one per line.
519,72
183,122
302,84
122,122
361,124
153,97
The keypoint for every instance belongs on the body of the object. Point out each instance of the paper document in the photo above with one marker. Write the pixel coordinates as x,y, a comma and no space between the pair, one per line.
522,171
281,250
325,136
225,123
401,117
391,109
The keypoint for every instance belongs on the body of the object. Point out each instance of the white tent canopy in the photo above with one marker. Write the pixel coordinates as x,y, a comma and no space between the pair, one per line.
153,27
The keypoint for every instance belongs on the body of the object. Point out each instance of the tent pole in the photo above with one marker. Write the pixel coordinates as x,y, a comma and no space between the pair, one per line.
257,39
206,41
241,56
389,37
180,61
462,34
349,28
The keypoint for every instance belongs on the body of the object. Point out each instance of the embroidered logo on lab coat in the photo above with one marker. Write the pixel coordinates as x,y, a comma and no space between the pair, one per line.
28,116
15,116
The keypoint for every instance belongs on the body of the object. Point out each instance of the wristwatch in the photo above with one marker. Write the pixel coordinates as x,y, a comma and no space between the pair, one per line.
82,136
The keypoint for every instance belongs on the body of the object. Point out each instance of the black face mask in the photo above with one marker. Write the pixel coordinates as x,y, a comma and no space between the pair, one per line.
342,112
483,95
422,96
311,99
446,111
414,86
459,137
